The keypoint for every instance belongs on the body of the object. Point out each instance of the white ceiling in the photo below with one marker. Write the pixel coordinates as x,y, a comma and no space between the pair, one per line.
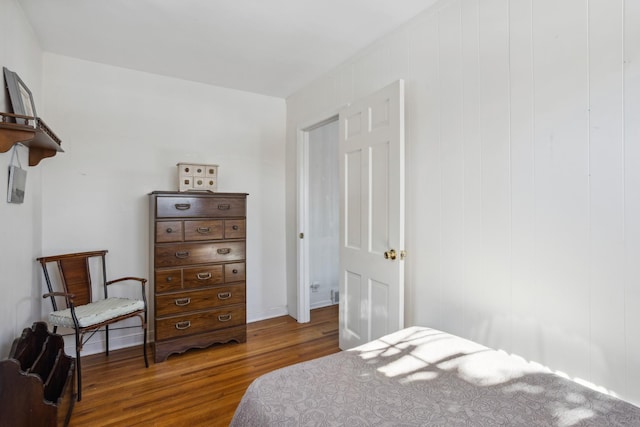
271,47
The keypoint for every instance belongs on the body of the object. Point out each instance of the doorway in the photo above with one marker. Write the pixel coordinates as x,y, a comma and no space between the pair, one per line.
318,217
370,201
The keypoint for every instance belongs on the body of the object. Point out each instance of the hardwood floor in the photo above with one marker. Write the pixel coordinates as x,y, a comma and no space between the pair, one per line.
199,387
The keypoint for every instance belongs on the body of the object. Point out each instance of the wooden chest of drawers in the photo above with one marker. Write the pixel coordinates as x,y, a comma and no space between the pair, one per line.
198,268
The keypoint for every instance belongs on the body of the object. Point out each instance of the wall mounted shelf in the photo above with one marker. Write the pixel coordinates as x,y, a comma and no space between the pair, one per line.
41,140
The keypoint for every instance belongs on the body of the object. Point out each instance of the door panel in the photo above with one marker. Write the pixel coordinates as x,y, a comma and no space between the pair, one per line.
352,306
380,307
353,186
353,124
372,210
379,166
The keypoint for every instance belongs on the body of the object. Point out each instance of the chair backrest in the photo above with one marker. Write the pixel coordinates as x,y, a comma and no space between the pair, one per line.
75,275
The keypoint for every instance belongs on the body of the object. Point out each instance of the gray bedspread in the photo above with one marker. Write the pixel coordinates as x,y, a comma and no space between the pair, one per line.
424,377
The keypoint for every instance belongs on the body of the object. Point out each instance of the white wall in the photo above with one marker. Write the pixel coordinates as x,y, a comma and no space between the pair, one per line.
323,213
123,132
523,191
20,228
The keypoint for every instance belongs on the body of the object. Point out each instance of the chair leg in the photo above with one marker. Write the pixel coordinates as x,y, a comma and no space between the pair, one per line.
106,329
144,347
78,369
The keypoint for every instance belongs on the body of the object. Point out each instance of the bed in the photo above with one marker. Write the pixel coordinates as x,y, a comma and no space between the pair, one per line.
424,377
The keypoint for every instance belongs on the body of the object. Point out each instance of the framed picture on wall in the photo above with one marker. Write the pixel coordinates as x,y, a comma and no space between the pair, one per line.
20,96
17,184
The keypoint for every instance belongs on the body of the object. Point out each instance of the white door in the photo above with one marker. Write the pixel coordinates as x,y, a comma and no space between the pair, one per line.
372,217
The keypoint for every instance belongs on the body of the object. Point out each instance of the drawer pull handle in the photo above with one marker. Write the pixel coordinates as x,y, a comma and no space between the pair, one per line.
203,230
169,278
183,206
224,317
224,251
235,227
169,230
181,326
204,276
181,302
234,271
224,207
182,255
224,295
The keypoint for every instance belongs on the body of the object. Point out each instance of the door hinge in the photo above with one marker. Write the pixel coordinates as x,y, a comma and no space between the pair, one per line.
301,235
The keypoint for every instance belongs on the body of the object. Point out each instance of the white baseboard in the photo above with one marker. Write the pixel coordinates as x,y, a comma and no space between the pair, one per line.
268,314
97,343
320,304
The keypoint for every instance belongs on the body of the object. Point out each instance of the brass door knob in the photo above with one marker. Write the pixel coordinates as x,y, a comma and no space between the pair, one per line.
390,254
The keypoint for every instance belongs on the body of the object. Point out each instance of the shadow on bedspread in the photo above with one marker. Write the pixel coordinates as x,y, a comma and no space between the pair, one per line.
424,377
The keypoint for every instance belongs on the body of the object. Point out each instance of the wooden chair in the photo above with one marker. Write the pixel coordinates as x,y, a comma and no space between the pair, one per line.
84,314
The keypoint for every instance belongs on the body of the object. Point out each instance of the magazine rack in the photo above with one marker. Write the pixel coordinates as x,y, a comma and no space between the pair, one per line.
37,381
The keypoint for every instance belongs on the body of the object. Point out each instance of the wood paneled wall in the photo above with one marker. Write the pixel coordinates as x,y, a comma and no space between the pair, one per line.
523,175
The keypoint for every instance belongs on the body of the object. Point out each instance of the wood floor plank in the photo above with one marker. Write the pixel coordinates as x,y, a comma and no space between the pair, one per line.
199,387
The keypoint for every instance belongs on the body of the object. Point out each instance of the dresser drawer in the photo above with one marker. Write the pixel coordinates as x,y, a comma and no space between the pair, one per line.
234,272
168,231
175,280
195,323
183,302
198,253
179,207
206,275
203,230
234,229
168,280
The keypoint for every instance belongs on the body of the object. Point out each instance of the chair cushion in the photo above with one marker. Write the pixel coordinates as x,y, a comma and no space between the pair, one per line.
96,312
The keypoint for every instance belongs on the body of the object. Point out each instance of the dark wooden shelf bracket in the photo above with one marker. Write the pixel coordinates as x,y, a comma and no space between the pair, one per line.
40,139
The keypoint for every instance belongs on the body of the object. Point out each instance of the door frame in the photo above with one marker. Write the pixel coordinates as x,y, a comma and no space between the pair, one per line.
302,244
